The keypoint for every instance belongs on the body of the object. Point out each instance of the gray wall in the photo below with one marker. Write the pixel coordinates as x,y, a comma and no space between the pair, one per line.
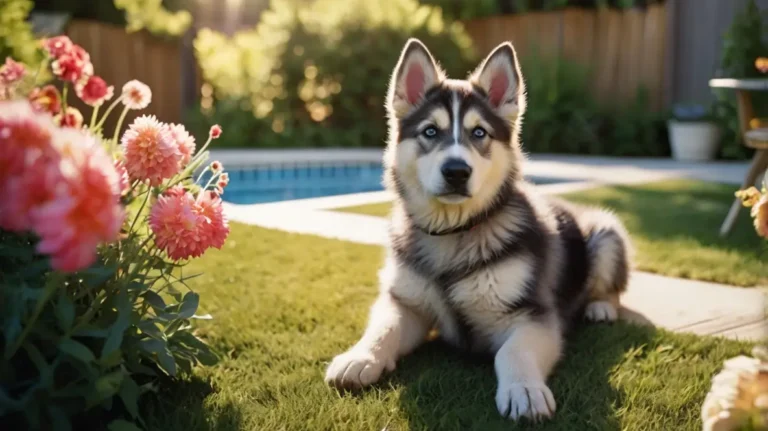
696,32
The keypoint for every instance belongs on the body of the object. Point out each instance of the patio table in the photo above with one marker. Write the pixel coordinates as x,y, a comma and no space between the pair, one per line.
753,138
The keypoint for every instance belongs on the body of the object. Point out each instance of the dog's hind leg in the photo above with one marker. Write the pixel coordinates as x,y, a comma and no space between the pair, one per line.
523,364
393,331
609,251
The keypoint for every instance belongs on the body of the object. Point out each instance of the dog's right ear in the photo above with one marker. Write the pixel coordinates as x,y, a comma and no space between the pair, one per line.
415,73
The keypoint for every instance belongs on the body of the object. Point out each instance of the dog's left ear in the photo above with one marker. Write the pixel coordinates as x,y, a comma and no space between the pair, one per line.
500,77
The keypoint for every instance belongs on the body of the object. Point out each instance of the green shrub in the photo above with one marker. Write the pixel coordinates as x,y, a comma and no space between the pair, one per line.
16,38
483,8
314,74
743,43
563,116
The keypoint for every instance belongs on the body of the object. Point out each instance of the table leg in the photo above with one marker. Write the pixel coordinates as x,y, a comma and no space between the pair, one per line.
756,169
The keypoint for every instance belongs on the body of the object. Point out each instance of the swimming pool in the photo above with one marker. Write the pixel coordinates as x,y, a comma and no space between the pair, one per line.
288,181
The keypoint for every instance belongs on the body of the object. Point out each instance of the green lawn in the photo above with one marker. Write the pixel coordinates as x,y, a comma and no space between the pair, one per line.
284,305
674,225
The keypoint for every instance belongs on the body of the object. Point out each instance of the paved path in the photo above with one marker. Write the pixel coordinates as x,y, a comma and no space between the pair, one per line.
676,304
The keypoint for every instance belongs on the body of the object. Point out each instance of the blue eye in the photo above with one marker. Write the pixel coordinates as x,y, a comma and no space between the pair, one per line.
479,132
430,132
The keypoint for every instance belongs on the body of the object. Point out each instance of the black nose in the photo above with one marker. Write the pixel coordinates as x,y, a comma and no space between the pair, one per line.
456,172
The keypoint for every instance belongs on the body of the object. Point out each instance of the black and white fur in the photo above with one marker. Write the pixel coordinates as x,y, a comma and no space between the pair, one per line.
475,253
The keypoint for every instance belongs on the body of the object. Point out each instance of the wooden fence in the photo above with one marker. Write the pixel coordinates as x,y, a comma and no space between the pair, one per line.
624,49
119,57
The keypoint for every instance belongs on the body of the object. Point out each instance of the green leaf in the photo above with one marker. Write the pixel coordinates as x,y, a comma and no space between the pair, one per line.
150,328
59,419
77,350
152,345
122,425
98,275
155,300
35,269
203,351
129,393
166,361
189,305
105,387
114,340
91,331
65,312
112,360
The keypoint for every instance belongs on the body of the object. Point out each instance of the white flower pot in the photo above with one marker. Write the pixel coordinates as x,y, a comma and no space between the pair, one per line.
693,140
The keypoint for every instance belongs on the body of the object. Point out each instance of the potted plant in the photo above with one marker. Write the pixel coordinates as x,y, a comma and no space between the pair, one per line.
694,134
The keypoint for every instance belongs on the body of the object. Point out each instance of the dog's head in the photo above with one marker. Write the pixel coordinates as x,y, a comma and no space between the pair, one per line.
453,143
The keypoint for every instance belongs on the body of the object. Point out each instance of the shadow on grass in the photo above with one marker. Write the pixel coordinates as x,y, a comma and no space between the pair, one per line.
697,214
446,392
181,406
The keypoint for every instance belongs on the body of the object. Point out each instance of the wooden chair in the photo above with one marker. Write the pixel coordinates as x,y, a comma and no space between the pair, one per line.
755,136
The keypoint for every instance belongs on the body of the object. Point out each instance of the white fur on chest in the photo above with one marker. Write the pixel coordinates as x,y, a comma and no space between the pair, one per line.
483,298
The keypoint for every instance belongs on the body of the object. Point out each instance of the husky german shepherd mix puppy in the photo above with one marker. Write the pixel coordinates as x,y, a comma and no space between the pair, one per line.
475,252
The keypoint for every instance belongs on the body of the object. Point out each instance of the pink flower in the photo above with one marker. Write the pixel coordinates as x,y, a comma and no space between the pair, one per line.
24,137
185,142
73,65
124,183
177,190
215,230
760,214
94,91
216,166
46,99
215,131
58,46
136,95
224,177
11,71
28,163
71,118
176,225
28,191
85,210
185,227
150,151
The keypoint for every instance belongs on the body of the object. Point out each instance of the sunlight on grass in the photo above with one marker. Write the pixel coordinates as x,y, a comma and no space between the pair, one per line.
674,227
285,304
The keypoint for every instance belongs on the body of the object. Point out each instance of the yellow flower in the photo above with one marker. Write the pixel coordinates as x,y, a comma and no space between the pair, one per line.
762,64
749,196
760,214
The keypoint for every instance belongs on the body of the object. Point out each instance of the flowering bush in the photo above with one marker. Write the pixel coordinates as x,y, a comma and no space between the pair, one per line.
758,200
95,230
738,399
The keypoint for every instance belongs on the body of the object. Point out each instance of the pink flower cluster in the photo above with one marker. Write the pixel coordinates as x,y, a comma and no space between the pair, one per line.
59,184
185,226
72,63
62,182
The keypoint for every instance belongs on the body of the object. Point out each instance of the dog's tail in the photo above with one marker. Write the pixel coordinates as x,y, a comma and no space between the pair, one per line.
610,254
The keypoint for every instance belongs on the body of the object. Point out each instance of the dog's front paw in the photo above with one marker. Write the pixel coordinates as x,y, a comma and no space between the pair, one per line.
516,400
601,311
356,368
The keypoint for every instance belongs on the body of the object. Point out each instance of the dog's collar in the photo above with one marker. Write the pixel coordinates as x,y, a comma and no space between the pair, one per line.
463,228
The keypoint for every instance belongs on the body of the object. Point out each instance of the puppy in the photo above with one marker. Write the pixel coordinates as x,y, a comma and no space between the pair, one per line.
475,253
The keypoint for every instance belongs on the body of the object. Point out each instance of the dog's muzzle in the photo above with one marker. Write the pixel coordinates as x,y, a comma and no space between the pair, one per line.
456,173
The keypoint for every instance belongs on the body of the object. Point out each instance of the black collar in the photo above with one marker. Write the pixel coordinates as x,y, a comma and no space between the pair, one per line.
500,201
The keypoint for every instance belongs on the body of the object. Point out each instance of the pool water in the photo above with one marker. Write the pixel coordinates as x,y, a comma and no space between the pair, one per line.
273,183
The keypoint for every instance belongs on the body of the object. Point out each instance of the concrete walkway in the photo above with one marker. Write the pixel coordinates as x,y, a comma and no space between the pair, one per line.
675,304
